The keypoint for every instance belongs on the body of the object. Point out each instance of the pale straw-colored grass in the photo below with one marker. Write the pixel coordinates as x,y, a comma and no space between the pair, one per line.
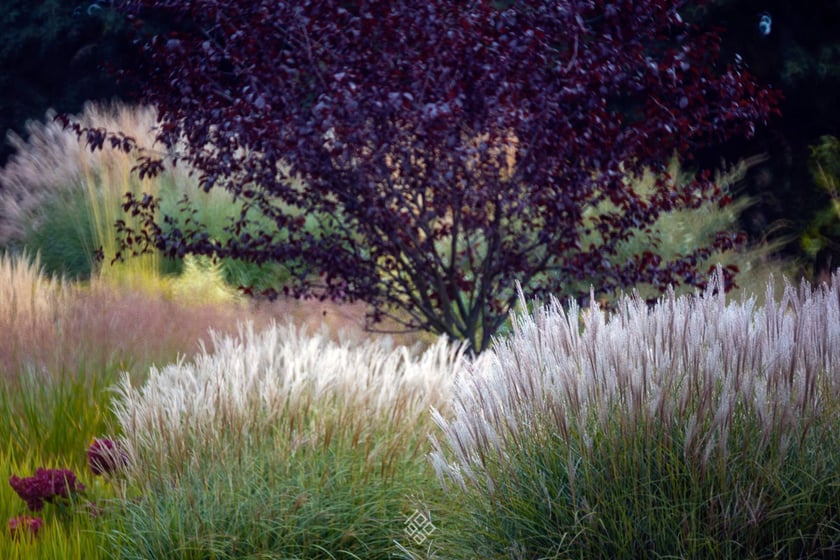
51,161
26,296
54,172
54,328
50,325
307,390
30,305
43,165
64,199
54,180
691,362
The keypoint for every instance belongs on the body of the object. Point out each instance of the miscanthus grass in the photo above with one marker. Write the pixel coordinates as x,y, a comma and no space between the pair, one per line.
281,445
690,429
61,199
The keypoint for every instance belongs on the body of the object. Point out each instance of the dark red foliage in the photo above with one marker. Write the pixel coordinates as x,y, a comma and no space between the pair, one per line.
47,485
448,150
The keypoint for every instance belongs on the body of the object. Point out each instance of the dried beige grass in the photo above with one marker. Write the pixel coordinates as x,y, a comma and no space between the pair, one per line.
53,327
30,307
51,161
49,325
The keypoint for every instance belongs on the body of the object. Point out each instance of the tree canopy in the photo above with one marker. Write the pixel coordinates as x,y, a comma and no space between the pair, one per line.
425,157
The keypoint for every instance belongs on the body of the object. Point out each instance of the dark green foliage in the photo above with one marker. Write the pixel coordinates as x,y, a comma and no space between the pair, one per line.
310,504
821,241
634,495
52,55
801,56
64,239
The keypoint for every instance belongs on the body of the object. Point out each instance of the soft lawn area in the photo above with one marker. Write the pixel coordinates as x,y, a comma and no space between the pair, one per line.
696,428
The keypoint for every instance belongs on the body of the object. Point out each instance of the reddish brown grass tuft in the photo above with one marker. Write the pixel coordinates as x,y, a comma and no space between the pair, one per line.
50,326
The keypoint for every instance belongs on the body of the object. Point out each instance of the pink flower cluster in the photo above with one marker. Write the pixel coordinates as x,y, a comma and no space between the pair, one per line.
106,457
24,524
46,486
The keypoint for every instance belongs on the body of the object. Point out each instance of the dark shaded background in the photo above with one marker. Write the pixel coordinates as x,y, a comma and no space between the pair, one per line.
53,54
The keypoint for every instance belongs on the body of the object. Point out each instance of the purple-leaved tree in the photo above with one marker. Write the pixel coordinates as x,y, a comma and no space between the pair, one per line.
424,157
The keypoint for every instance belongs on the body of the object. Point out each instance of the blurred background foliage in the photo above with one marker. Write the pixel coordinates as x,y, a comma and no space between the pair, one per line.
801,56
56,54
821,240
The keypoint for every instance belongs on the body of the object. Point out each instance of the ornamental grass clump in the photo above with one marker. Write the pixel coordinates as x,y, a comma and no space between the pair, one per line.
30,306
693,429
282,444
62,199
256,383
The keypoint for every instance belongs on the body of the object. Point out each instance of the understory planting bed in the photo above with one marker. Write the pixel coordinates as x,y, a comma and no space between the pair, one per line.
696,427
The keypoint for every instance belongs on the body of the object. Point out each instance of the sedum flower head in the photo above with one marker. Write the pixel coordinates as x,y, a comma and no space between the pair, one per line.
105,456
25,524
45,486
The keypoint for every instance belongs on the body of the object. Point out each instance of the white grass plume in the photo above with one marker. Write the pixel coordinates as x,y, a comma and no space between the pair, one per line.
309,388
52,161
694,363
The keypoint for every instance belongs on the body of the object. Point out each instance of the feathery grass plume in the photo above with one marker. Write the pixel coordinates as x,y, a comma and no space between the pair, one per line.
64,199
44,164
260,383
281,443
107,177
696,428
30,305
51,326
63,345
27,296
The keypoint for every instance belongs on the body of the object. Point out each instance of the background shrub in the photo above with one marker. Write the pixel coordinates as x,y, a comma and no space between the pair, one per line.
820,240
61,201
